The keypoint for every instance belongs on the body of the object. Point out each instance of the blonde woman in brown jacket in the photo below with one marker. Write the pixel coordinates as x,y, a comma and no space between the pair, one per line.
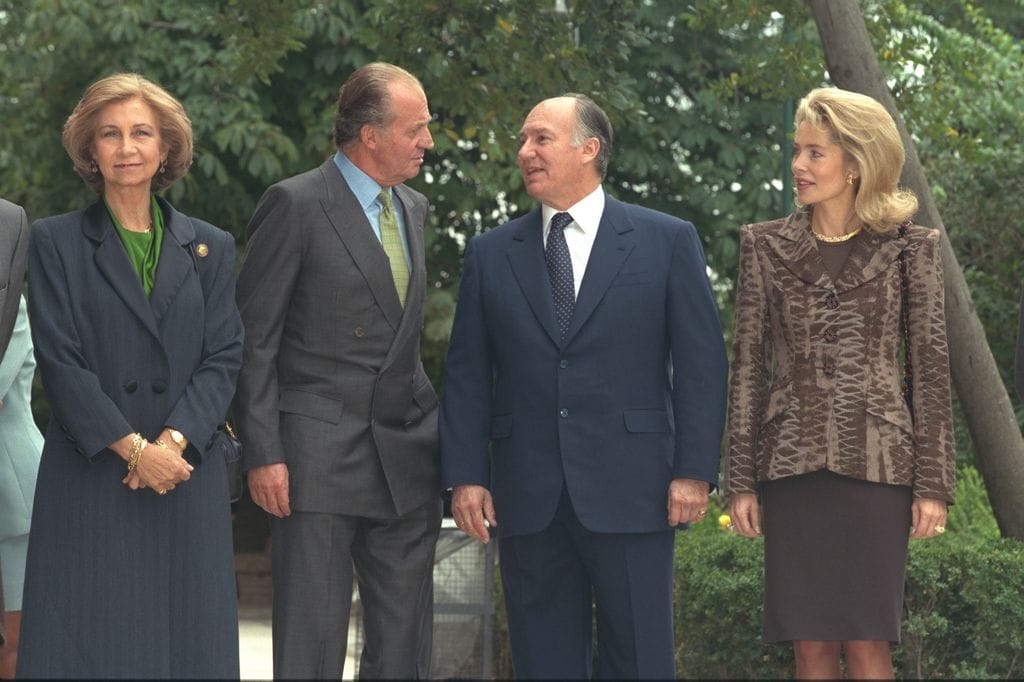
823,444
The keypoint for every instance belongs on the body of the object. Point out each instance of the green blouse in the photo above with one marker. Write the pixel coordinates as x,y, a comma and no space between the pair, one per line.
143,248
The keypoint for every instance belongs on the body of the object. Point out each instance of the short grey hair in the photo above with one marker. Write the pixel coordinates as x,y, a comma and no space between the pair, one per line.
364,99
591,121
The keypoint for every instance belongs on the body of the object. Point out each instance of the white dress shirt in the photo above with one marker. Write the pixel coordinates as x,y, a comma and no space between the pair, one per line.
580,233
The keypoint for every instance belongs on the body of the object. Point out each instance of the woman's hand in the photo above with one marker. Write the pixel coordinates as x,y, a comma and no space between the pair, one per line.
927,518
132,481
745,514
162,467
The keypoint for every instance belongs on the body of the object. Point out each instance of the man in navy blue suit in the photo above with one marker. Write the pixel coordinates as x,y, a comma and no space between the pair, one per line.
583,407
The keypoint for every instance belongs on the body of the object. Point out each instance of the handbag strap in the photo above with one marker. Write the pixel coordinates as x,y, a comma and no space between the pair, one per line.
908,378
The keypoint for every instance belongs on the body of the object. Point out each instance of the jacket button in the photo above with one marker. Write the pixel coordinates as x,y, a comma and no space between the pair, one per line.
830,335
359,332
831,301
562,364
131,386
830,367
563,413
159,386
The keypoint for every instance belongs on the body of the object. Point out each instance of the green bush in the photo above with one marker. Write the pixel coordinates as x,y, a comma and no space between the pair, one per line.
964,610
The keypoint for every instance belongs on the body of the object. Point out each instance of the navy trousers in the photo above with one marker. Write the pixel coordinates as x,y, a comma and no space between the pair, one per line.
555,580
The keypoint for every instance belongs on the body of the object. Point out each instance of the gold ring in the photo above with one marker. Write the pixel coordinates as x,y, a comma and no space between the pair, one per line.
702,513
161,492
940,529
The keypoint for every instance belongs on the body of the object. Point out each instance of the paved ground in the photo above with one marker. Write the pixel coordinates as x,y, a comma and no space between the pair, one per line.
254,643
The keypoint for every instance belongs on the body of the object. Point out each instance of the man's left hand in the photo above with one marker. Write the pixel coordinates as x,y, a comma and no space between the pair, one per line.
687,501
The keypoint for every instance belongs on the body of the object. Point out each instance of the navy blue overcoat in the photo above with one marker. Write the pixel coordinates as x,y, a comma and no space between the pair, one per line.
123,583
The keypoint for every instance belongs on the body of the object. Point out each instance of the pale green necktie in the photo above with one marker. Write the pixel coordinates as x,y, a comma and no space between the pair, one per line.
391,240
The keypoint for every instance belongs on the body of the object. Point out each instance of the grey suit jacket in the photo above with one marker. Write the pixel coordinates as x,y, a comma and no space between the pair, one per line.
13,257
332,383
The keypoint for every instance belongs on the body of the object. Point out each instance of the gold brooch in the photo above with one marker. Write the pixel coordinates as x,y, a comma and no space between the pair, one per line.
202,250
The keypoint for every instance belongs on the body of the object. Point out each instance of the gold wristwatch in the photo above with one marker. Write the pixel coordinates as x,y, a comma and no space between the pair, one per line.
179,438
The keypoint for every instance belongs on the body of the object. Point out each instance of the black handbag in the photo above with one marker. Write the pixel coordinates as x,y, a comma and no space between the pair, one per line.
226,442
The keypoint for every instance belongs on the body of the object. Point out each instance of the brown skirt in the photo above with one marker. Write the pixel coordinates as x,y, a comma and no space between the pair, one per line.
835,556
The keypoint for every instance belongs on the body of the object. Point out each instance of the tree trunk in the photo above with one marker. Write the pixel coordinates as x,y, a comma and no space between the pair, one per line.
999,448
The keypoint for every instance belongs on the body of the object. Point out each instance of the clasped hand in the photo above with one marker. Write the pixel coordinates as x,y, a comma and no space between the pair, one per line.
160,468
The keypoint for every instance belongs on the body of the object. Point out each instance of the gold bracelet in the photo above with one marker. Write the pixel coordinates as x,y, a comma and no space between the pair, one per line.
135,454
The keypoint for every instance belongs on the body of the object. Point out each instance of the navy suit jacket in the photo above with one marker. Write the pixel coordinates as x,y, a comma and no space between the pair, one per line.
633,397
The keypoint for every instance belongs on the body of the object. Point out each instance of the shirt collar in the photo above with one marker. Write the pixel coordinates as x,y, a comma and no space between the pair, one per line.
362,185
586,212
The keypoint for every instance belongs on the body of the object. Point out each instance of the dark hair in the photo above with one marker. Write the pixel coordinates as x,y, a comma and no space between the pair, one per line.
175,127
591,121
363,100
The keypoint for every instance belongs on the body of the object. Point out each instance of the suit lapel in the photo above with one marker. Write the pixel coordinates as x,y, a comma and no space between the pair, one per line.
112,261
526,258
870,256
348,219
612,245
794,245
175,259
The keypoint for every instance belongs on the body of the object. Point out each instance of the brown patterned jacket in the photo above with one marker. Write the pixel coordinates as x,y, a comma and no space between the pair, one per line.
816,369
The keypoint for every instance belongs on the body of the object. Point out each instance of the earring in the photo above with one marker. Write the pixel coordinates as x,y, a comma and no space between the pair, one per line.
163,166
93,168
849,179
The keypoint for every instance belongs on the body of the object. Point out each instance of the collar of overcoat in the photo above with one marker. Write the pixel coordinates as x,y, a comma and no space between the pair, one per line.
871,254
112,260
612,245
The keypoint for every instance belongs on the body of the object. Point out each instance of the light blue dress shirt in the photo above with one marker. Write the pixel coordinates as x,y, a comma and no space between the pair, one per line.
366,190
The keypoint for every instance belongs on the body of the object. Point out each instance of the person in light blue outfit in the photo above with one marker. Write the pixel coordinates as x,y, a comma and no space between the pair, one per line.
20,445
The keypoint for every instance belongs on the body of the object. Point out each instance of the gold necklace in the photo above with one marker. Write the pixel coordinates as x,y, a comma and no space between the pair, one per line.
835,240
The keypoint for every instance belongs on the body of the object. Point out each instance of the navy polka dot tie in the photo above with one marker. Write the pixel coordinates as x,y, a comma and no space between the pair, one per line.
556,254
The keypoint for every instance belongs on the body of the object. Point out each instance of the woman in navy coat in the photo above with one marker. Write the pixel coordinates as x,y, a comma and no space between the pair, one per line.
130,567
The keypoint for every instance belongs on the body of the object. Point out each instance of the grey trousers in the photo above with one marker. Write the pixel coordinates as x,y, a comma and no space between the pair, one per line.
314,559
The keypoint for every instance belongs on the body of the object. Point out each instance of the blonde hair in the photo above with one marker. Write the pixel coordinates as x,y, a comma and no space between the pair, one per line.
175,127
866,133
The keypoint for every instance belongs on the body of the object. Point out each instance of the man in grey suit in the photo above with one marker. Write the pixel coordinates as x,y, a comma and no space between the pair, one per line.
13,257
338,416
